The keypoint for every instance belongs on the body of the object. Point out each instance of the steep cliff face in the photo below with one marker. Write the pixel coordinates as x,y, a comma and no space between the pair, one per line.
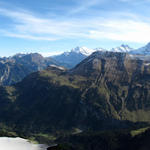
105,90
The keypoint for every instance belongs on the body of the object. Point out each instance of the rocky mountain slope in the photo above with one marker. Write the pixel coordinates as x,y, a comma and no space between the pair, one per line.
14,69
106,90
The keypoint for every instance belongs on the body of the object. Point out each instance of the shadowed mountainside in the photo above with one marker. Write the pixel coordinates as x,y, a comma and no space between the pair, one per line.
106,90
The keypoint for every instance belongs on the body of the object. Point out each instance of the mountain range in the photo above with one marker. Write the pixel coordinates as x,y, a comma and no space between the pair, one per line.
71,58
94,105
142,51
14,69
106,90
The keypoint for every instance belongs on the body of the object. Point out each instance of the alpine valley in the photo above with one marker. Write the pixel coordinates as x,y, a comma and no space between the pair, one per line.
101,103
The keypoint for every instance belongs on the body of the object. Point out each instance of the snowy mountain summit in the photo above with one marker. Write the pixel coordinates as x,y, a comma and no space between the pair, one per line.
71,58
86,51
83,50
123,48
143,50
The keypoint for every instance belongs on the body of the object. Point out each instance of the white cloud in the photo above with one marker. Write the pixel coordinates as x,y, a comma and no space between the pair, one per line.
53,53
123,30
25,24
84,5
30,37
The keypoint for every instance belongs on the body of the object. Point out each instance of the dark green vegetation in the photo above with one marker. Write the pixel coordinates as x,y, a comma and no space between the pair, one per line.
14,69
106,91
106,140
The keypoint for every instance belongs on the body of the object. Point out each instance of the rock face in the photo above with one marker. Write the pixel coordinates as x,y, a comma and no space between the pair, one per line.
14,69
105,90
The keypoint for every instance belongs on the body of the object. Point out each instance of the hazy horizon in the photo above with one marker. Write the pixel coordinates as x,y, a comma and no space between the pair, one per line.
48,54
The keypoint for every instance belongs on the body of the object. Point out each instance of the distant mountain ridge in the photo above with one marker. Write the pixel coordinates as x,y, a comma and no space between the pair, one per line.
14,69
83,50
73,57
142,51
123,48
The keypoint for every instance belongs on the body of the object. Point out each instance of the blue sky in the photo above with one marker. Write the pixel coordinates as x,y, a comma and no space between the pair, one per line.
53,26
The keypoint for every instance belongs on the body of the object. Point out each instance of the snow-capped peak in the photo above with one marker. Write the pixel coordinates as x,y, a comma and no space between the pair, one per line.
146,48
143,50
123,48
83,50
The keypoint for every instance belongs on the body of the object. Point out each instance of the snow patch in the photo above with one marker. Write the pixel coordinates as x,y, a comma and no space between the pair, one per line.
83,50
59,67
19,144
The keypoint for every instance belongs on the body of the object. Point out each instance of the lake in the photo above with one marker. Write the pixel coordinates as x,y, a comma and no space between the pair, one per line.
19,144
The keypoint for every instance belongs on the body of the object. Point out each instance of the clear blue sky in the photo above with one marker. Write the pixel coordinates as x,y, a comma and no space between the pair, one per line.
51,26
